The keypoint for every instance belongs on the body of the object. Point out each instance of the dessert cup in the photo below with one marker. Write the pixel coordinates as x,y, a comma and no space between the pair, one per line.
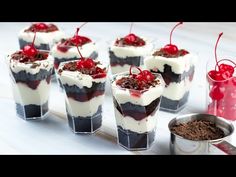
177,72
136,113
31,85
47,35
84,95
122,57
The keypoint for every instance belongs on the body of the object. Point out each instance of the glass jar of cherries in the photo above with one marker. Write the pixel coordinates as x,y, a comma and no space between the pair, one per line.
221,87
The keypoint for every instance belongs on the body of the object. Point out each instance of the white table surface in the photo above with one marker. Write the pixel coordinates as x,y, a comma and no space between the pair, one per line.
53,136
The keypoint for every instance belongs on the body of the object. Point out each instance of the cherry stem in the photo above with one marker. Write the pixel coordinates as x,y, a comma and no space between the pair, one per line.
216,48
217,64
180,23
131,26
34,38
80,53
132,66
77,30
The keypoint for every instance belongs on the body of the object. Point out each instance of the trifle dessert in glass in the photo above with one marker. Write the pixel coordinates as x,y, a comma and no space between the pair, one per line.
177,69
47,35
83,83
136,98
66,49
127,51
221,87
30,70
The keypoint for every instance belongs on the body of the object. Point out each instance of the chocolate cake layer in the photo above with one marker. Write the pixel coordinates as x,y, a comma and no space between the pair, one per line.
40,47
169,76
25,76
86,124
31,111
84,94
133,140
114,60
169,104
138,112
57,61
32,80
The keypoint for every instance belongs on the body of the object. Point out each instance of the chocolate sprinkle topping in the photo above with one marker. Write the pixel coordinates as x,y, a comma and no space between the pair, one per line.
198,130
122,43
21,57
132,83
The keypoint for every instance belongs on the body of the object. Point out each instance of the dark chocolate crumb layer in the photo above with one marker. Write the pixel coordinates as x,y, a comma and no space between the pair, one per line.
137,112
86,124
169,76
84,94
24,76
31,111
114,60
174,105
135,141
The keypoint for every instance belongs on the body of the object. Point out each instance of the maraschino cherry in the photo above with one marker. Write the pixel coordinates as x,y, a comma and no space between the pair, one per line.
88,63
143,77
171,48
30,50
79,40
41,26
85,62
223,71
132,39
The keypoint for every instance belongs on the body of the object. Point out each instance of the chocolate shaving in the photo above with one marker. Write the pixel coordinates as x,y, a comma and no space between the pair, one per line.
138,42
35,65
198,130
163,53
132,83
72,66
21,57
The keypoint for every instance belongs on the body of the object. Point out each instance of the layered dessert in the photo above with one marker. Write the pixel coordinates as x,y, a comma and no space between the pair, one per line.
136,100
66,49
84,86
177,69
31,70
47,35
127,51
